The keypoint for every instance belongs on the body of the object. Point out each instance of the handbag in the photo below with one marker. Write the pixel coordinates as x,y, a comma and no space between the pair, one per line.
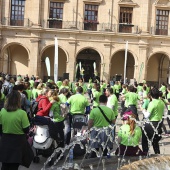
110,122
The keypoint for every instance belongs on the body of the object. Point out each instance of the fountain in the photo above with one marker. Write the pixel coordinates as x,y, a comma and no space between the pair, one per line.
111,162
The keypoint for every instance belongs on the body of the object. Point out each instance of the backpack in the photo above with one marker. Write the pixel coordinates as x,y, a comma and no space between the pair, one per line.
5,89
34,106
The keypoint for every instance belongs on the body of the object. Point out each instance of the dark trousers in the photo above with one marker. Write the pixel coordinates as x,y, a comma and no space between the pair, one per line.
150,135
10,166
68,123
117,95
60,127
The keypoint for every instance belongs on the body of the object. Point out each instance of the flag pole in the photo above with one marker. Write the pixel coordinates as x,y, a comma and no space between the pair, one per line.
126,49
56,61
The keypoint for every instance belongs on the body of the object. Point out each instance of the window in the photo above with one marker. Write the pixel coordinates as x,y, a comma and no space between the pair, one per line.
91,17
162,17
56,15
125,20
17,12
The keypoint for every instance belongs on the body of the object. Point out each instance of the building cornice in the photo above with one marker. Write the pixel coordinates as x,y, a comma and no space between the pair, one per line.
131,4
93,1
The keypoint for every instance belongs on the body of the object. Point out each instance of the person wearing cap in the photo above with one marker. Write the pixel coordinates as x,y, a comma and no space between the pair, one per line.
152,129
129,136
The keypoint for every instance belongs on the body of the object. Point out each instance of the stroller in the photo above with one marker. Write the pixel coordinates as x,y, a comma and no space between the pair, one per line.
79,124
43,142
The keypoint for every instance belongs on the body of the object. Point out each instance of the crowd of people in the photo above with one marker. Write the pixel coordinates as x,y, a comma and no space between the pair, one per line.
100,105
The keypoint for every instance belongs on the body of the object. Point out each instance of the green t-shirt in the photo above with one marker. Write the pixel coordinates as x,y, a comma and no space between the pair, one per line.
31,83
139,88
63,98
34,93
29,94
124,91
145,104
163,90
61,87
98,118
78,103
168,97
112,101
126,138
59,83
2,97
117,88
96,95
132,98
14,122
57,112
156,109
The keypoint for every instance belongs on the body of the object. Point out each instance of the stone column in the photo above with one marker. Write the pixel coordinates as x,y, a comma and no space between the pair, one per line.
1,9
142,64
34,58
145,11
36,13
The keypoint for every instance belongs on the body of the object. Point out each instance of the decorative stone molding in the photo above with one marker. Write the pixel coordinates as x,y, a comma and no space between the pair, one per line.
165,4
93,1
35,40
127,3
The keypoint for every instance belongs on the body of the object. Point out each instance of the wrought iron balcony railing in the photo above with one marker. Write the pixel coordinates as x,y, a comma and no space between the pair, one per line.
159,31
24,22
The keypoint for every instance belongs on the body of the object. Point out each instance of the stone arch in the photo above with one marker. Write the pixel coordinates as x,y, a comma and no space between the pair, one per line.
67,55
89,47
117,64
15,58
87,56
158,65
49,51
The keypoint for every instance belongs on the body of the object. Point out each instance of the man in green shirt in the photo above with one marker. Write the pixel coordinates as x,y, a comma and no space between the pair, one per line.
132,99
98,120
154,115
78,105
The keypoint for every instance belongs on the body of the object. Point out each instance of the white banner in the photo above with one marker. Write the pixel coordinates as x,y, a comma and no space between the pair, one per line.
56,61
126,50
47,62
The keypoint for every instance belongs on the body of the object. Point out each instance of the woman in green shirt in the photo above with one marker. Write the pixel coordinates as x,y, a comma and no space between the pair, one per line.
14,124
129,136
58,119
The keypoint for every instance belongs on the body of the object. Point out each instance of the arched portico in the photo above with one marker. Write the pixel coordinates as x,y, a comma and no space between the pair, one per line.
62,60
15,59
117,65
88,57
158,68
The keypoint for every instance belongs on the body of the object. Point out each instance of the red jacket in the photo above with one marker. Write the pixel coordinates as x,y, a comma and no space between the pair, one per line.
44,106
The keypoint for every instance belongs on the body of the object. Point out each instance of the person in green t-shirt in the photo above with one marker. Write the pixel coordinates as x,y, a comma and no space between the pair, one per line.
117,88
132,99
129,136
154,114
96,94
79,105
63,95
163,89
14,125
97,120
58,119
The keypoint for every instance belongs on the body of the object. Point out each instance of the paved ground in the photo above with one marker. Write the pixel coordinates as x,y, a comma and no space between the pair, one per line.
110,164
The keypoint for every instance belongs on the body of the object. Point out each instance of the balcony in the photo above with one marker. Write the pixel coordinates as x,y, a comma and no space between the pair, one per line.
25,22
157,31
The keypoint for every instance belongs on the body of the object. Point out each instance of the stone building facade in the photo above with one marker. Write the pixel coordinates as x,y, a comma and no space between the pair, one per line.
88,32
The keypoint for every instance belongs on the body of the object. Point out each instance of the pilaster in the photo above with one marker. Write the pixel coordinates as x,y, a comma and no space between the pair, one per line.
141,72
